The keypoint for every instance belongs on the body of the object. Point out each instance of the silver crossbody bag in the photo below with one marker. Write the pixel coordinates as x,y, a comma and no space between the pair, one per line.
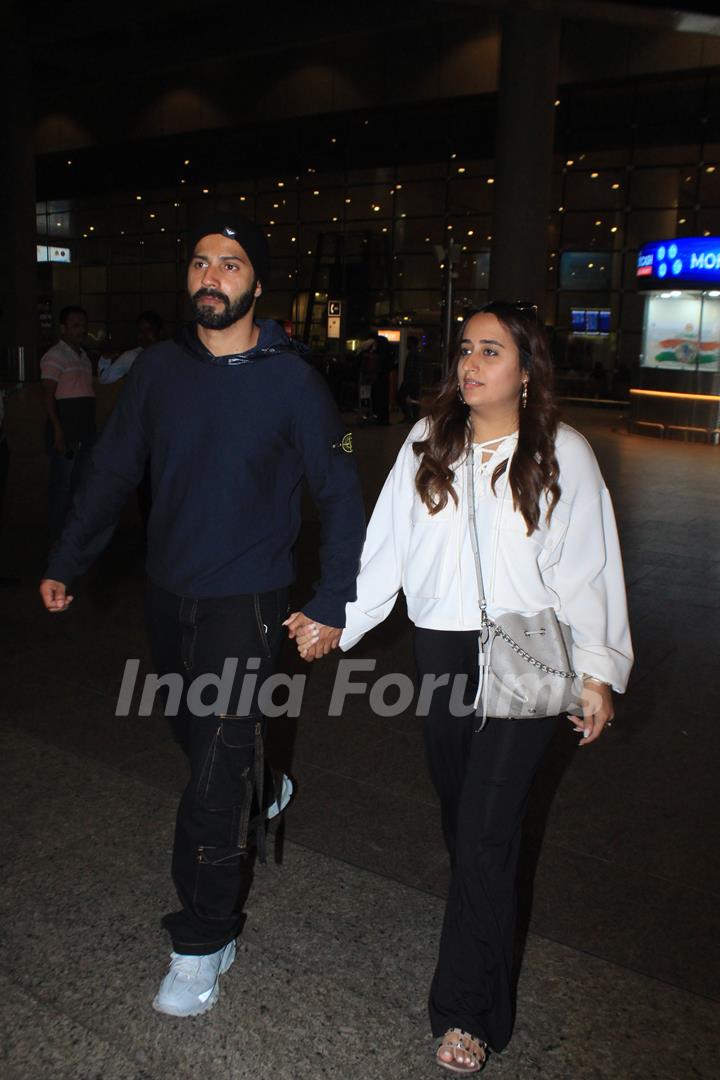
525,660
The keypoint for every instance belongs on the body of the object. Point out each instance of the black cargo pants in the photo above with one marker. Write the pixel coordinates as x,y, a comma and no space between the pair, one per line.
213,832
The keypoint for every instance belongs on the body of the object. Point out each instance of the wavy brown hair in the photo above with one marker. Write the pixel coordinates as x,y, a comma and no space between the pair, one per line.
534,467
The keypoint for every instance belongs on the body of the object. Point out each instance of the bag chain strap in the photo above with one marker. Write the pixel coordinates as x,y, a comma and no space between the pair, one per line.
499,632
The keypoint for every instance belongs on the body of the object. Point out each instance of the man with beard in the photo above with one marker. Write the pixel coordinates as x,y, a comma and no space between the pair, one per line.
232,419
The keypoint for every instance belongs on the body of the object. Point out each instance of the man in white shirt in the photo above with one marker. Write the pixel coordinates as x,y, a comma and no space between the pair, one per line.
69,399
149,330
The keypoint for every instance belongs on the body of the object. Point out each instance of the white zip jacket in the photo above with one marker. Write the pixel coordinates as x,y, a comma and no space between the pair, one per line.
572,565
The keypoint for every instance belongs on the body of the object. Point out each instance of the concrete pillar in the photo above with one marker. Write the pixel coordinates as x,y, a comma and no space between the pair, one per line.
527,89
18,265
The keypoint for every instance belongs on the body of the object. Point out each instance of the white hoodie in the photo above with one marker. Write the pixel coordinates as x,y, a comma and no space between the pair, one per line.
572,565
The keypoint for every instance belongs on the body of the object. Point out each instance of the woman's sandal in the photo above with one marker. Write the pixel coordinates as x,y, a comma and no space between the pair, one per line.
472,1048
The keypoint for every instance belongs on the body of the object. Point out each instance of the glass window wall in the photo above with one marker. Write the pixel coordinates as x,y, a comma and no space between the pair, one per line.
623,176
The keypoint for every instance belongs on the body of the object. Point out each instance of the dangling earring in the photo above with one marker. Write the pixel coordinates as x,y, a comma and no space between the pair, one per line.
459,394
523,400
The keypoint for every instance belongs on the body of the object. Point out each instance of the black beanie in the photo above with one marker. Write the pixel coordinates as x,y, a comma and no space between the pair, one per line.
249,236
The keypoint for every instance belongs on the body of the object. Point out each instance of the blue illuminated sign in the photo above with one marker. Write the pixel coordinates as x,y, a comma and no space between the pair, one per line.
692,260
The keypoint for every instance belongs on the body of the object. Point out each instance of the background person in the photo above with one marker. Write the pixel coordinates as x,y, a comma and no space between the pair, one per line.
150,329
375,362
368,367
547,538
411,386
381,385
69,399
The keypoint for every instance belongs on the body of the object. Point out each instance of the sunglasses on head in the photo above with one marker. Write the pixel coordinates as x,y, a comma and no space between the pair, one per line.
526,308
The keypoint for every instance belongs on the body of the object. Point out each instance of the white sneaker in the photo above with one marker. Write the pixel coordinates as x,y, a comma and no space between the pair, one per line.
191,984
287,790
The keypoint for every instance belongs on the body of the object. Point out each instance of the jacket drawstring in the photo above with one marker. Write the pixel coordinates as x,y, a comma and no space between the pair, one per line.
486,640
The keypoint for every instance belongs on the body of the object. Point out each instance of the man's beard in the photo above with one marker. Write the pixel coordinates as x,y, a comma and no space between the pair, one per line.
234,310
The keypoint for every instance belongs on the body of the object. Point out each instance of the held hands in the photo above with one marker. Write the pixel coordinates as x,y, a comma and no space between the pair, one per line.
54,596
313,639
598,710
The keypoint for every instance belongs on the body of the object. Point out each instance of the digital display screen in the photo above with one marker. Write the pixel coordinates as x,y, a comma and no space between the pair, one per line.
578,320
590,320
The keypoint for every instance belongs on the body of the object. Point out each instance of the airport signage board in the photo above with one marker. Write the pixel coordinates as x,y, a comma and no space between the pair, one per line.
334,318
52,253
692,261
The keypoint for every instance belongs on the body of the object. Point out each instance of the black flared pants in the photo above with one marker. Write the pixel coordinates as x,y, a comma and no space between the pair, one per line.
482,779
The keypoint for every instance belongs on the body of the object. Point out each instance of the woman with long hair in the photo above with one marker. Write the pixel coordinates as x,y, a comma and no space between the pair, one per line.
492,479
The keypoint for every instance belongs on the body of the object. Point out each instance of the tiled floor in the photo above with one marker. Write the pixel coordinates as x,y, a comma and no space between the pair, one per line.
620,881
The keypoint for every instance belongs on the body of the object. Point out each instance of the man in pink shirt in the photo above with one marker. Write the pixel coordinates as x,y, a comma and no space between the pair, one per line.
69,400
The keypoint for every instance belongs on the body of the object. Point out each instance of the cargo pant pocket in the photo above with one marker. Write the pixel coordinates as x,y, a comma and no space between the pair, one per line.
228,763
217,882
232,774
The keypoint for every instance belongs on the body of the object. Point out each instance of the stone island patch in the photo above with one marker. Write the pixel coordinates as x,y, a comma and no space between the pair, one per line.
345,444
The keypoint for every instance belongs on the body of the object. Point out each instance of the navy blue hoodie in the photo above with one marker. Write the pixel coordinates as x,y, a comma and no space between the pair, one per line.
230,439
